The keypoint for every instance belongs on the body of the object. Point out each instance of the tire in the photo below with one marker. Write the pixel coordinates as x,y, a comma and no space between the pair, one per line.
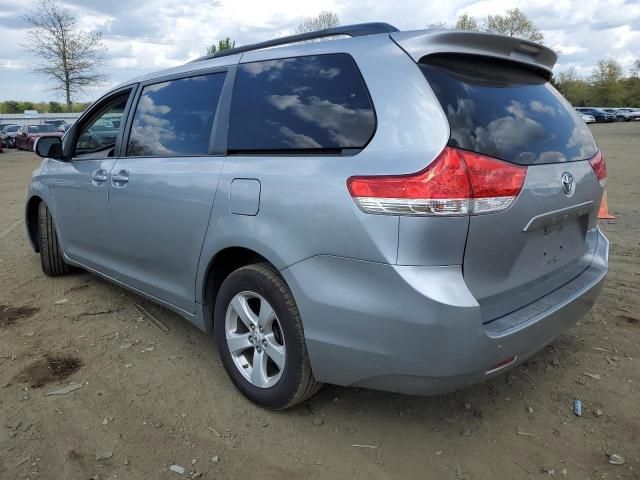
292,384
51,257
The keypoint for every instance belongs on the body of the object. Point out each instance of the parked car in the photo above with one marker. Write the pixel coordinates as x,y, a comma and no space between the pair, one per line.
587,118
60,125
27,135
8,135
631,114
378,211
600,115
102,133
620,116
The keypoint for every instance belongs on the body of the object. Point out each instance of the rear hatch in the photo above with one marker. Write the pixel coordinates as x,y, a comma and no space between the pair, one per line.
509,111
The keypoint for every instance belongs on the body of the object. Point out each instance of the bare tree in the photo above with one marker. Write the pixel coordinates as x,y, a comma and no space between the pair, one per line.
224,44
438,26
70,57
467,22
514,23
325,19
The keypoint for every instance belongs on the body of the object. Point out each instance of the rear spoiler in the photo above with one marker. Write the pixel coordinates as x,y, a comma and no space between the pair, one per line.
420,43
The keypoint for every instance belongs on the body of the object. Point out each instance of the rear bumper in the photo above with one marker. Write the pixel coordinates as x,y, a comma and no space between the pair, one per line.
418,330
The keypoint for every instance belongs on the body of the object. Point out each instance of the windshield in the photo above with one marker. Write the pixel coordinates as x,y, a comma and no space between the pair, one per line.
12,128
505,111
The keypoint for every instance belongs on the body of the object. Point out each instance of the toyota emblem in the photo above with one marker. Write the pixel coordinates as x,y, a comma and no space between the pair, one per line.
567,183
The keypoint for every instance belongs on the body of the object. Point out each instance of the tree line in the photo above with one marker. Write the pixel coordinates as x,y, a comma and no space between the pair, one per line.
606,86
13,106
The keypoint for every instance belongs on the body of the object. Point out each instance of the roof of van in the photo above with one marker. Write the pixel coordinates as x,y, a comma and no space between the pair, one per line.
416,43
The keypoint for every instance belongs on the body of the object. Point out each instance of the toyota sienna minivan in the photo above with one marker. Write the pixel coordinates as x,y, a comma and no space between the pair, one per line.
405,211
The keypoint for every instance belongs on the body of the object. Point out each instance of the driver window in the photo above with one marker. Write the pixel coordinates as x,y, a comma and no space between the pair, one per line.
97,137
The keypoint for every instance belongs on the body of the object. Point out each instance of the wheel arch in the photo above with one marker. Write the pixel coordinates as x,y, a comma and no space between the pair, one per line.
31,219
220,266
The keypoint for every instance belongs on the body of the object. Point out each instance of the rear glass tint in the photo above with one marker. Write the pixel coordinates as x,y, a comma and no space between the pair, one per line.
306,103
506,111
176,117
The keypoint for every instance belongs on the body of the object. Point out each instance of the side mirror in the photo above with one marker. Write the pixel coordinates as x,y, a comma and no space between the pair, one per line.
49,147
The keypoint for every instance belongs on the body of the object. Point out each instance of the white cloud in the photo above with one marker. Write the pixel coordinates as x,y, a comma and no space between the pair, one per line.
145,36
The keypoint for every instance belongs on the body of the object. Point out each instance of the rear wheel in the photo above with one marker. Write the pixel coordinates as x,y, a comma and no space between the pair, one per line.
51,257
260,338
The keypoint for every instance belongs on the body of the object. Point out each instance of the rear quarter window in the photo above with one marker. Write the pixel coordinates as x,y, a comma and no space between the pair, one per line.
504,110
302,104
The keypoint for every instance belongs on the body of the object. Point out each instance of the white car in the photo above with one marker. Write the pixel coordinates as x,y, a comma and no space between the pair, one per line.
587,118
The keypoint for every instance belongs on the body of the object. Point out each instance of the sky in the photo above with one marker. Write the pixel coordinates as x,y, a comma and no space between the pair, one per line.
148,35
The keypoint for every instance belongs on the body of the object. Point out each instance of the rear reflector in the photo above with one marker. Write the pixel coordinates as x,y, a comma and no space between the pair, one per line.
502,364
599,168
458,182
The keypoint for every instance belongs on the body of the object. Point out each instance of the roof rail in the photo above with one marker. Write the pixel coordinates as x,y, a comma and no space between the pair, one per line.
357,30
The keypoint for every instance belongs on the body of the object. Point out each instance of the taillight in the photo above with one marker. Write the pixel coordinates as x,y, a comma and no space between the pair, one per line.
458,182
599,168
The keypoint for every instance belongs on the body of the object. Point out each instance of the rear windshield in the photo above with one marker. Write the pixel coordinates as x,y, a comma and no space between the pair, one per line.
505,111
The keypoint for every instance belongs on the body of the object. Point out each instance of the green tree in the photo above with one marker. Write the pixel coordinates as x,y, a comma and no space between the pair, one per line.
26,106
514,23
224,44
606,82
631,86
573,87
10,106
54,107
467,22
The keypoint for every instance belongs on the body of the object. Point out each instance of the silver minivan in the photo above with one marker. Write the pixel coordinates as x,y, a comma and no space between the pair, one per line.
406,211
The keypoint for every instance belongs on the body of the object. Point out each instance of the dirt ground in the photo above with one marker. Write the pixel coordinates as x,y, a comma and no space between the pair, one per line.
148,400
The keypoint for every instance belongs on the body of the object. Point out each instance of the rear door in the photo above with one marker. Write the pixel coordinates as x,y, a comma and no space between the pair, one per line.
505,110
162,188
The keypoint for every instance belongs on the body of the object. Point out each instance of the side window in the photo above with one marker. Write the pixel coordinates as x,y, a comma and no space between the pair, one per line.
97,137
300,104
176,117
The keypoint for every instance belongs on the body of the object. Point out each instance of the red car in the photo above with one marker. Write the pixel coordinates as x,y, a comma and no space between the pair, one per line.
27,135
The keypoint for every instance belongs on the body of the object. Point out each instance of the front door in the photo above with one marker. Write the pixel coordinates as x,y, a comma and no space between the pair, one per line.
161,190
81,192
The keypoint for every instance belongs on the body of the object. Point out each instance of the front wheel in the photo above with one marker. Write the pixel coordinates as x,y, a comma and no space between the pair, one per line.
51,257
260,338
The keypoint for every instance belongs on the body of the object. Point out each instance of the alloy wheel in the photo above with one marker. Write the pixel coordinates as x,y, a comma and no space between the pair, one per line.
255,339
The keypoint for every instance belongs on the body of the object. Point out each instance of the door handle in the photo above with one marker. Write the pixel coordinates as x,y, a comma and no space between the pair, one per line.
120,179
99,176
